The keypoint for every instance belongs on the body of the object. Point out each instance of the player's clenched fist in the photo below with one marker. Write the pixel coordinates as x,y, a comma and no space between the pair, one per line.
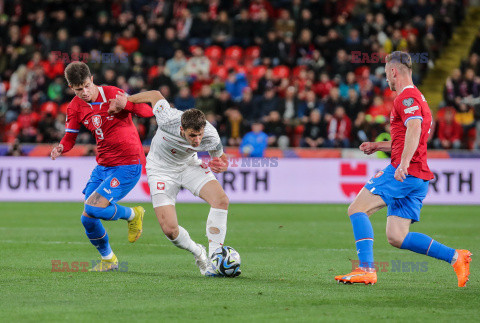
368,148
56,151
218,165
117,104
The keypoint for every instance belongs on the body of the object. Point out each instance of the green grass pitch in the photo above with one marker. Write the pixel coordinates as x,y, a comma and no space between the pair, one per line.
290,254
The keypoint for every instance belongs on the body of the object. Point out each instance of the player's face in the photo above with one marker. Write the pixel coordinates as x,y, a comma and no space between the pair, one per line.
193,137
86,91
390,77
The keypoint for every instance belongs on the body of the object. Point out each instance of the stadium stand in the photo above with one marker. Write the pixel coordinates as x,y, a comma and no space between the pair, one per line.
273,62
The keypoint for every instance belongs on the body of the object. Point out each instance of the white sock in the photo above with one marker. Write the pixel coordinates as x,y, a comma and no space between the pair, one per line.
183,241
216,229
132,216
109,256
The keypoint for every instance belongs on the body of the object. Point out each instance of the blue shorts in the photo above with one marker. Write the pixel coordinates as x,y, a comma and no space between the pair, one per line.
403,199
113,183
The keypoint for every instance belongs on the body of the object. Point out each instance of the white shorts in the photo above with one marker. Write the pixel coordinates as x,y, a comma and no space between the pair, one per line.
165,183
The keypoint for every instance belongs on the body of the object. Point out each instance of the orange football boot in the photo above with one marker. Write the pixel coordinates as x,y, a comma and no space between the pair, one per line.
358,276
462,266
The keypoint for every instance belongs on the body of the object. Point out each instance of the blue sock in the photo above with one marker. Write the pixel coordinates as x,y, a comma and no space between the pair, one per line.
112,212
97,234
363,233
421,243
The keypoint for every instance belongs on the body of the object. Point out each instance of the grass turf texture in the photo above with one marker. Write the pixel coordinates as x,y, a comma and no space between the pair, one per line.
290,254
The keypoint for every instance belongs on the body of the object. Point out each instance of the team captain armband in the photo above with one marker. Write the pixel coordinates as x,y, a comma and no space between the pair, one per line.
161,105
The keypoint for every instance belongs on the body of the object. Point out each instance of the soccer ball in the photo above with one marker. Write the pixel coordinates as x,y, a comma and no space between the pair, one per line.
226,261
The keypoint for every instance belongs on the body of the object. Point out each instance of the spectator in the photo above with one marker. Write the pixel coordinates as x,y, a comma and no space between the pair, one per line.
449,131
290,104
198,64
242,29
276,130
339,129
350,83
267,103
206,102
255,142
247,108
222,32
201,30
235,84
234,127
46,129
315,131
129,43
175,67
161,79
309,104
184,100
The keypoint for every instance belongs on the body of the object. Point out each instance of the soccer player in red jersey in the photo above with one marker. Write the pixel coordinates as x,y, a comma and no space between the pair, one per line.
402,185
120,157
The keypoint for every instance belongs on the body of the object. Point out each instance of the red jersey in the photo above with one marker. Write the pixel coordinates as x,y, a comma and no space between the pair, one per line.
411,104
117,138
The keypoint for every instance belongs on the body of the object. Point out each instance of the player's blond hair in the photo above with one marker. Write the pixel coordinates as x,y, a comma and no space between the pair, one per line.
401,58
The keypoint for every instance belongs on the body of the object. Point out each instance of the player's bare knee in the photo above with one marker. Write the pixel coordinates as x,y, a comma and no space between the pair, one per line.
353,208
170,231
221,202
85,214
395,239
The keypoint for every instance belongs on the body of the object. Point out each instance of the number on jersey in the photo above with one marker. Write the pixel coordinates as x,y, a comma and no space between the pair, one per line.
99,133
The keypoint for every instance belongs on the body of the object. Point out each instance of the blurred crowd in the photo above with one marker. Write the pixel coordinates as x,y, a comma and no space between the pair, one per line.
288,73
458,122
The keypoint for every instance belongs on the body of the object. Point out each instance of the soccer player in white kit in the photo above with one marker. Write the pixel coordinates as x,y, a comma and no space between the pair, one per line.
173,163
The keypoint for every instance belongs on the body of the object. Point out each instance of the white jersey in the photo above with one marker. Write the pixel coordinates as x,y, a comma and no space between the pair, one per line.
169,149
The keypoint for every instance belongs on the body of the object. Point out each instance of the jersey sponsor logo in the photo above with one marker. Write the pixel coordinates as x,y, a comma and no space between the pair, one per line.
173,151
411,110
114,182
160,186
207,172
107,191
86,122
377,175
110,118
407,102
97,121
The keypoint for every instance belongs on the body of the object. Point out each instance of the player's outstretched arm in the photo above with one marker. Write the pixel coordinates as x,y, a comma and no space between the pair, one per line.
56,151
151,97
369,148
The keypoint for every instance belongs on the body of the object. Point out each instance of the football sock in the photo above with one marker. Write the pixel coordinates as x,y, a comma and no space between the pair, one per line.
421,243
216,229
363,233
112,212
183,241
97,234
109,256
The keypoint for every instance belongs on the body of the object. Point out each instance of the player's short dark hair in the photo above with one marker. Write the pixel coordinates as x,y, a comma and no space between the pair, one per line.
77,73
400,58
193,119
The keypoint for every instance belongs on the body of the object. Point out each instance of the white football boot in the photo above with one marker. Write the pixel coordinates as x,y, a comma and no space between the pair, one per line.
202,260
